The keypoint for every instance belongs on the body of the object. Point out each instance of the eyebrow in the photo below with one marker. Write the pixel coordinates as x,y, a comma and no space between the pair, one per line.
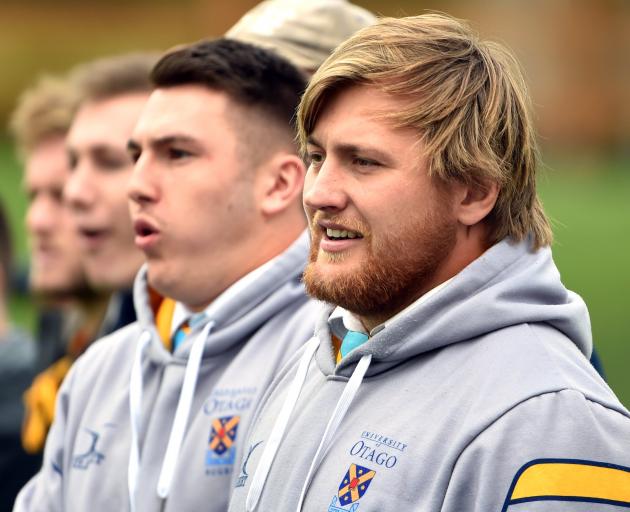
160,142
312,140
94,148
346,149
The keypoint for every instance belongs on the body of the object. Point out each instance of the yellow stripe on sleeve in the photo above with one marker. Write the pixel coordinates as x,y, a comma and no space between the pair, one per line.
577,479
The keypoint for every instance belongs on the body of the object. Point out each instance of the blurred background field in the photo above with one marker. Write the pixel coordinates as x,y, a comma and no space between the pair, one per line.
576,55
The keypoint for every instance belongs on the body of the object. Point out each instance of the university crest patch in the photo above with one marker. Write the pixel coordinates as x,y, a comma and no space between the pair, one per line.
221,450
353,486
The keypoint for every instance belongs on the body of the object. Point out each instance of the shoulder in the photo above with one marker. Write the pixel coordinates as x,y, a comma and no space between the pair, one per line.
294,324
570,414
525,361
559,446
116,350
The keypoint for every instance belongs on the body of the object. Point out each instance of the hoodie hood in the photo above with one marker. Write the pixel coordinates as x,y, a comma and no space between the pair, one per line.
509,284
235,316
229,321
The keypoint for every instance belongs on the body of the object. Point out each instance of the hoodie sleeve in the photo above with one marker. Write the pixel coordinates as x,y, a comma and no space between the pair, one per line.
557,451
44,492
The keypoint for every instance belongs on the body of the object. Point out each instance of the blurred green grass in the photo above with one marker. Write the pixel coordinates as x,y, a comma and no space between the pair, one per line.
589,203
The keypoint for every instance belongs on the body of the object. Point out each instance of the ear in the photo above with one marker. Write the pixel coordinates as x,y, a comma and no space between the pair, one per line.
280,183
475,202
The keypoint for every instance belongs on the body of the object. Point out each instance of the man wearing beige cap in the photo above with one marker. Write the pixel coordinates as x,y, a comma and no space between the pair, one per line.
303,32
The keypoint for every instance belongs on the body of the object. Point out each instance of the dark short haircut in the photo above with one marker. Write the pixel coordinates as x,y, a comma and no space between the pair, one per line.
251,76
6,251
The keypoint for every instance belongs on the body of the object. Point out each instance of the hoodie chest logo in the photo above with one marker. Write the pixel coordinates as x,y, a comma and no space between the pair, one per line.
352,488
91,454
242,478
378,449
229,400
221,450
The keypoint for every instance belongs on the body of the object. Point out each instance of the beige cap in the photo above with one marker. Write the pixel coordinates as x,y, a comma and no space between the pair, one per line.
303,31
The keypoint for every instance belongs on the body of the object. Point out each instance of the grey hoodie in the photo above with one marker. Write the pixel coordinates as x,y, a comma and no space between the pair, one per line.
89,461
479,398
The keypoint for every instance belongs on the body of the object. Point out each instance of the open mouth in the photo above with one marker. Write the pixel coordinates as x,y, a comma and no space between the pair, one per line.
341,234
91,234
42,253
147,235
92,239
144,230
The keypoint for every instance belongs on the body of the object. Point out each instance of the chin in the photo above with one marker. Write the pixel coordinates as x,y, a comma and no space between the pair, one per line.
52,292
327,282
110,280
157,281
164,280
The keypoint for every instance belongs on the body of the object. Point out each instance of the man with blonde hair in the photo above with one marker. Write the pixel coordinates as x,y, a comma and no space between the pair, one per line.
450,371
71,312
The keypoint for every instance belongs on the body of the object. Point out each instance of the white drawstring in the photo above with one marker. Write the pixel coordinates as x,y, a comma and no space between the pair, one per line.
279,427
135,410
277,433
349,392
181,414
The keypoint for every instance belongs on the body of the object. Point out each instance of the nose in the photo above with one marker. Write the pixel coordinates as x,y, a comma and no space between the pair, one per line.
324,188
40,217
142,187
80,190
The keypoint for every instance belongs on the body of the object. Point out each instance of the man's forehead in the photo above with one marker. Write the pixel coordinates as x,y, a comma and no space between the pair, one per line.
181,111
120,105
189,97
369,103
52,175
48,161
106,122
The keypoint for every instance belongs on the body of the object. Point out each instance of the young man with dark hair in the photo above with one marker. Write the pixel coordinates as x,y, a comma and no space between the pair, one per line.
152,417
450,372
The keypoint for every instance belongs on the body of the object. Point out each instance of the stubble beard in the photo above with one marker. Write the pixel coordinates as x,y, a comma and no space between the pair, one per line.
396,270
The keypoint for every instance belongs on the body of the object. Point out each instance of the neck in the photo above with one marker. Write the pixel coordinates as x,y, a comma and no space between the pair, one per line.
271,240
280,232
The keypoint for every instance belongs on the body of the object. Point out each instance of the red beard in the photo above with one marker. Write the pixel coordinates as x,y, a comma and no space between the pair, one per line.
397,270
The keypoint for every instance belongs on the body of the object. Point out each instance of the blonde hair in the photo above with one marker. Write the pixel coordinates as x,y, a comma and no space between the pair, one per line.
43,111
467,99
111,76
47,109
